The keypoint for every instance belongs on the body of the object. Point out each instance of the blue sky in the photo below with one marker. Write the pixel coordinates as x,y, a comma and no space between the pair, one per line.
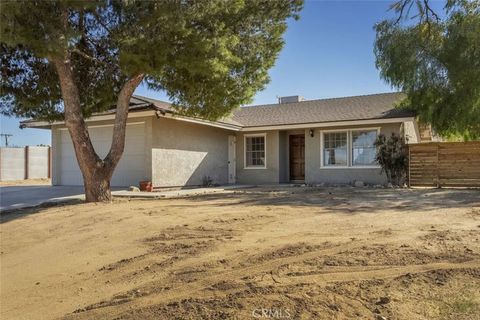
327,53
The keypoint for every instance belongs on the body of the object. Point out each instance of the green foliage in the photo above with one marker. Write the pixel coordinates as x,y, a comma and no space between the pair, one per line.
436,62
392,156
209,56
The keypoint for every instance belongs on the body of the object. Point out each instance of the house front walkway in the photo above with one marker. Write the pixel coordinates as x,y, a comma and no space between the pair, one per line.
180,193
26,196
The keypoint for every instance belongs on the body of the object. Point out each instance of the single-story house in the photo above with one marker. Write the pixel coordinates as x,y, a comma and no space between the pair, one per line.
295,140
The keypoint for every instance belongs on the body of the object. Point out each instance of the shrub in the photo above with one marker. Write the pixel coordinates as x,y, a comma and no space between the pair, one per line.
392,156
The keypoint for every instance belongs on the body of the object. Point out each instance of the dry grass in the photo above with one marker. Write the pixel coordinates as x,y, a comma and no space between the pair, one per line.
298,253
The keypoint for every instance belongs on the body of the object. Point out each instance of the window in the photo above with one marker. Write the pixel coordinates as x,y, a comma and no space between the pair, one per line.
255,151
349,148
335,149
363,150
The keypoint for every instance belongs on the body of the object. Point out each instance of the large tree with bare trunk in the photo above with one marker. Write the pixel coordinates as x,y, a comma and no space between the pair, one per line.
65,60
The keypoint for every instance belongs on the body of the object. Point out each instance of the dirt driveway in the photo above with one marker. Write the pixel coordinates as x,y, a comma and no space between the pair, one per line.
293,253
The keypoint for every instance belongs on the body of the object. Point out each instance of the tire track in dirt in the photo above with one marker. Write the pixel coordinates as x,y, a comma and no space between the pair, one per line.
185,290
360,273
327,275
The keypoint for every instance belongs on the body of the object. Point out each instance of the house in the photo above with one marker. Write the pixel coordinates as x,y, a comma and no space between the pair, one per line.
295,140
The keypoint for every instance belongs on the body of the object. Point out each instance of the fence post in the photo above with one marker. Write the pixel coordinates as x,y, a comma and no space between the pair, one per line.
49,173
409,168
438,173
26,161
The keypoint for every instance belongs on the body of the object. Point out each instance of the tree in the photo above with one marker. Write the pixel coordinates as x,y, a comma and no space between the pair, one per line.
65,60
392,156
434,57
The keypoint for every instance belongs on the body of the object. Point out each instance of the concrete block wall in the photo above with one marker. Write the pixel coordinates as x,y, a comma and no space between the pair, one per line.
24,163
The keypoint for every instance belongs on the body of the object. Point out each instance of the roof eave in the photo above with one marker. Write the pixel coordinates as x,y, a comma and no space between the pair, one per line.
98,117
158,112
328,124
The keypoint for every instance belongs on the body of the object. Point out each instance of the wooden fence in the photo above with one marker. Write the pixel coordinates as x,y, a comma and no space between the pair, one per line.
444,164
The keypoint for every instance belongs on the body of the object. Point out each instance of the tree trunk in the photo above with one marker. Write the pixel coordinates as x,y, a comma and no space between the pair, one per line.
95,171
97,189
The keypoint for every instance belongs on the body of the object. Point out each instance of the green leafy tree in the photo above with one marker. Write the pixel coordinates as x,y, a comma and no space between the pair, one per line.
434,57
65,60
392,156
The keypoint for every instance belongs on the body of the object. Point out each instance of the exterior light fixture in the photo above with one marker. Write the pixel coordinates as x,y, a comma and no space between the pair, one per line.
311,133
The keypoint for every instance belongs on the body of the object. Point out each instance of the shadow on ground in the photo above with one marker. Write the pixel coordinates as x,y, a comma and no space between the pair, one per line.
352,200
346,200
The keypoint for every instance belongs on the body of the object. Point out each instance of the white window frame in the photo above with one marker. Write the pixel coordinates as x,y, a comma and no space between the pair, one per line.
349,149
254,135
322,145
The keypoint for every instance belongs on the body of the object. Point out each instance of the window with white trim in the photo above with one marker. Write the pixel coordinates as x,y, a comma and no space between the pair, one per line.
363,148
349,148
255,151
335,149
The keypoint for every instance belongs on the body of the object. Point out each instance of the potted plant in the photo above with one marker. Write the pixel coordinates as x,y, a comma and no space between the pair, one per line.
146,185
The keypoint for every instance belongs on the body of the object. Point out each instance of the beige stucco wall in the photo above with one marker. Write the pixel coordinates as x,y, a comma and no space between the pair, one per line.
184,153
410,131
278,159
179,153
176,153
268,175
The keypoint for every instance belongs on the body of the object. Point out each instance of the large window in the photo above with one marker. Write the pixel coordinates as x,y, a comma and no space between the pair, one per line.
335,149
363,150
255,151
349,148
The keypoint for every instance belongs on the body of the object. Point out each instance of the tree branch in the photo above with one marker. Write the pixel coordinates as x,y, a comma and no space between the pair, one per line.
121,115
429,9
425,11
86,56
97,17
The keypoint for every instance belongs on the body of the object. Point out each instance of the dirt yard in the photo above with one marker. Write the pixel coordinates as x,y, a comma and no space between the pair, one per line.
25,182
292,253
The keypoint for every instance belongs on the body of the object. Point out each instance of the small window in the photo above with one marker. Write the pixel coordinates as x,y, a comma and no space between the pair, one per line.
335,149
255,151
363,148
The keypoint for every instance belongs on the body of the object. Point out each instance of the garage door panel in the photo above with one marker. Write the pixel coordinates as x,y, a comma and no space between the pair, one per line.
69,164
131,168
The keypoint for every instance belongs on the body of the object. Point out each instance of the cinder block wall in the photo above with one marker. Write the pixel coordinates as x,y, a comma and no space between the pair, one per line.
24,163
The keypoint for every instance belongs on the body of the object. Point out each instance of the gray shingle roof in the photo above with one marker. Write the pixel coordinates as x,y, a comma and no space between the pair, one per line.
138,103
367,107
375,106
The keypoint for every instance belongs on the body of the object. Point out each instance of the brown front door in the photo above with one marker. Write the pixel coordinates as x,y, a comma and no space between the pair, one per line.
297,157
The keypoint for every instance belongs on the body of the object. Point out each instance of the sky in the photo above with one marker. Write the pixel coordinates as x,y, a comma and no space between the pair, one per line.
327,53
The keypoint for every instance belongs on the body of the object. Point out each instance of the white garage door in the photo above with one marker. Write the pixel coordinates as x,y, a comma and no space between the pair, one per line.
131,168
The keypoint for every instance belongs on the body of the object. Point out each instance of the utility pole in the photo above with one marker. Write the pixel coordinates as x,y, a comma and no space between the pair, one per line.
6,135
